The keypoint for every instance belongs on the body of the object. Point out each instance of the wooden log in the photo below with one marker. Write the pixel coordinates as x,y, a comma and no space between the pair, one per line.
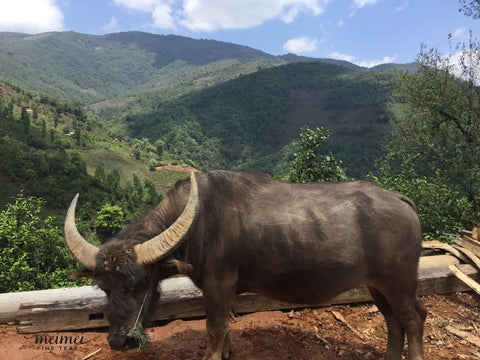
181,299
10,302
465,278
469,243
427,262
435,244
475,233
471,256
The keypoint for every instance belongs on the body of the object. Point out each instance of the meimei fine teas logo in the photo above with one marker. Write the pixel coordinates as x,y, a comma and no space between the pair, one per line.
58,341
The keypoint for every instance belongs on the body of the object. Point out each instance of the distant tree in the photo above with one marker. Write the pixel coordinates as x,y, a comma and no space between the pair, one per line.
112,182
152,196
311,166
8,113
439,118
160,146
110,220
25,119
35,112
44,128
137,184
137,150
78,134
471,8
152,164
100,174
56,120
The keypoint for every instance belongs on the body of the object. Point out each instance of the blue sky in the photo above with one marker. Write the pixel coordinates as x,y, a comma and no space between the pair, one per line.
365,32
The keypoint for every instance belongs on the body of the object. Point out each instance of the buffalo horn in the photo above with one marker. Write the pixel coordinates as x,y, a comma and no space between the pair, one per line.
163,244
82,250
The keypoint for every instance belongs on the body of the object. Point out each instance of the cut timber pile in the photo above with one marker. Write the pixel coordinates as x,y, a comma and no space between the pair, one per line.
466,248
443,269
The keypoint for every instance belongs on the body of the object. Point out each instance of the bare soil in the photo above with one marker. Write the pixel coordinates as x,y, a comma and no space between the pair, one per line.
346,332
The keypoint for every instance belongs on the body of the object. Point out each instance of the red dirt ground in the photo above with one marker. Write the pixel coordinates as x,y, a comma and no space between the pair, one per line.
309,334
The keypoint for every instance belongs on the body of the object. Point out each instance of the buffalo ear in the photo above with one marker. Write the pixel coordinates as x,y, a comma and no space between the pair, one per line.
80,274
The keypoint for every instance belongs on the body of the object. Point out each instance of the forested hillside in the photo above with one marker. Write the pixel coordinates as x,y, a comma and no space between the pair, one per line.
250,121
43,146
115,74
93,68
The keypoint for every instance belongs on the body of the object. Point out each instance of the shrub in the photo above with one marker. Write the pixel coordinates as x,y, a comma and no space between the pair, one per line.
33,254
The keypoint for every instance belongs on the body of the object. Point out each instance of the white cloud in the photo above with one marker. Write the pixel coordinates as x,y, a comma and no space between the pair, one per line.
339,56
162,17
358,4
141,5
300,45
372,63
212,15
364,63
403,6
458,32
112,25
361,3
30,16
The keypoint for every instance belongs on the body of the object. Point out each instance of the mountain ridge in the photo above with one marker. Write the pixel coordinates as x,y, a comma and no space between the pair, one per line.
93,68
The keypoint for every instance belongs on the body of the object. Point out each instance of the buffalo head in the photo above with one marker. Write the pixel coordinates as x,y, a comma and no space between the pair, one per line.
125,270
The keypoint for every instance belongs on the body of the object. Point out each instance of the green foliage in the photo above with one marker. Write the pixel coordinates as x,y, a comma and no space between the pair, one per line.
160,147
434,153
33,254
440,119
471,8
25,118
442,211
243,122
309,165
110,220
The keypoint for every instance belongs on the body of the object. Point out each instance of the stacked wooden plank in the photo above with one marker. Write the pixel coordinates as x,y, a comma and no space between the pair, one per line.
467,242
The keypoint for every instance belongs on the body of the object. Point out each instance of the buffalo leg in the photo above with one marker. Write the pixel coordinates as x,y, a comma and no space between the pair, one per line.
396,333
409,312
218,295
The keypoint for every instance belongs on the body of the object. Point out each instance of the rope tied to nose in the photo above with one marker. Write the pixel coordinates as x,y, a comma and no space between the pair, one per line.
137,333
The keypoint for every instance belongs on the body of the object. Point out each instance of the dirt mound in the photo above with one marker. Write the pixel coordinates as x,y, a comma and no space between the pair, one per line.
297,335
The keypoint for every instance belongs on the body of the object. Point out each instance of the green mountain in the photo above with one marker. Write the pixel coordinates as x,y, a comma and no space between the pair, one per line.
216,104
53,149
131,71
250,122
93,68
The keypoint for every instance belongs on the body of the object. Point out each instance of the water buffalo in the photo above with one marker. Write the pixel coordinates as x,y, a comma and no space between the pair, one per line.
233,232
